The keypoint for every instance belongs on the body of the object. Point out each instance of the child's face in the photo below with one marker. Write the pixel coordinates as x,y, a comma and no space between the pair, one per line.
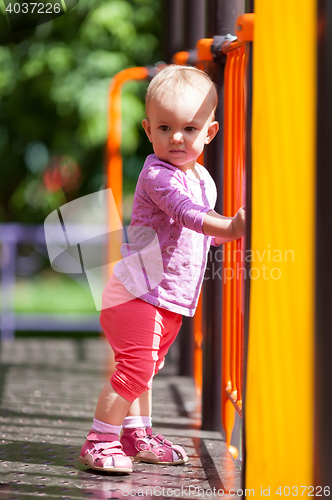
179,126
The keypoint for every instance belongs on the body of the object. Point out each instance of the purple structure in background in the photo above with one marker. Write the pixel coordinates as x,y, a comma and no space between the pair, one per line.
10,236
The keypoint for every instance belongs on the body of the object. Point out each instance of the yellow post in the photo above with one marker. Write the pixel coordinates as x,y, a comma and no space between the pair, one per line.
279,398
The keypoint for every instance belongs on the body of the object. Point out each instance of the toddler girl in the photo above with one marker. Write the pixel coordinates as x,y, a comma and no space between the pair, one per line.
174,198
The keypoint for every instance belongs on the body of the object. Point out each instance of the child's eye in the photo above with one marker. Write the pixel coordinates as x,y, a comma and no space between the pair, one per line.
190,129
164,128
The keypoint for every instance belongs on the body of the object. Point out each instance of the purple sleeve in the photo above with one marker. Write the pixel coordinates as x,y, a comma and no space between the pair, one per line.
166,190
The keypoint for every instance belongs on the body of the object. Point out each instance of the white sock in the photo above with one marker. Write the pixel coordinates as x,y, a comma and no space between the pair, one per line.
134,422
105,428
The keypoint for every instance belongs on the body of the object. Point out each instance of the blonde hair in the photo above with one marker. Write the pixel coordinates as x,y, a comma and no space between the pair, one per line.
174,78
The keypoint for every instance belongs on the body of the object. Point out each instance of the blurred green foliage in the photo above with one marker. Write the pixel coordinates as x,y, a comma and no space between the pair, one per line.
52,292
54,81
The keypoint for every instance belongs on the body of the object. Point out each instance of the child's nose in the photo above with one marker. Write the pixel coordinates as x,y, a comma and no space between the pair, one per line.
177,137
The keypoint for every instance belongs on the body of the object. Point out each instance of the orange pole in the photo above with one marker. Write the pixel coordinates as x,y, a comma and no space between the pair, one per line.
229,47
232,324
113,154
232,317
227,211
239,254
198,333
181,58
245,25
227,410
114,168
233,210
235,207
235,256
198,340
232,320
203,48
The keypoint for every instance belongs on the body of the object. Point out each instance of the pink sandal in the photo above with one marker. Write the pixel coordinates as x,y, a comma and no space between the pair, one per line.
104,452
141,446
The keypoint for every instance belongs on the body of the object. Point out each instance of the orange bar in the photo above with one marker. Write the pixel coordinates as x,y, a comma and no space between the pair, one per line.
232,317
113,153
198,341
231,46
198,333
203,48
235,189
227,409
180,58
245,27
234,56
237,97
114,158
228,117
240,260
239,338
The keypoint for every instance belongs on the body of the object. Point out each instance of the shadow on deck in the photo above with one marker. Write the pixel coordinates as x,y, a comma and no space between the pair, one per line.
49,390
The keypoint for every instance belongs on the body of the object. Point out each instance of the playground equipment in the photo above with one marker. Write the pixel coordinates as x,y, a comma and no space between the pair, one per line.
269,328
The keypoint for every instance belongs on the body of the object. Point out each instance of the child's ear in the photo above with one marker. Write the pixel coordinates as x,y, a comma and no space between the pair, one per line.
147,128
212,131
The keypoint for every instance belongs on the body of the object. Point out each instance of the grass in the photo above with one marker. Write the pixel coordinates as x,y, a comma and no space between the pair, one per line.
53,292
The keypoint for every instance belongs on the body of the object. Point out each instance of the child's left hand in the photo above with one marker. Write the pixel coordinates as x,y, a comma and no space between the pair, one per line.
239,222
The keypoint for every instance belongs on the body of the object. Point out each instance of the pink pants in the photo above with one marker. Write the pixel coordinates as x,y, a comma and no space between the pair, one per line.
140,335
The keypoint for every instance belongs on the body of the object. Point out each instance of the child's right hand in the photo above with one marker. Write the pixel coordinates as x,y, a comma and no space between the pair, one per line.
239,222
224,229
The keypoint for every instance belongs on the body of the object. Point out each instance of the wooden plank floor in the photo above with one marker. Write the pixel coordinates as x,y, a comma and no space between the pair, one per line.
49,389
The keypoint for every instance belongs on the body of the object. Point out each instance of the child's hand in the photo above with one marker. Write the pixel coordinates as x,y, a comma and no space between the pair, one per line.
224,229
239,222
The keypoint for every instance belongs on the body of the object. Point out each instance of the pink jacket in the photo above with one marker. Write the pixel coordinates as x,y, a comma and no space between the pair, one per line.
170,205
